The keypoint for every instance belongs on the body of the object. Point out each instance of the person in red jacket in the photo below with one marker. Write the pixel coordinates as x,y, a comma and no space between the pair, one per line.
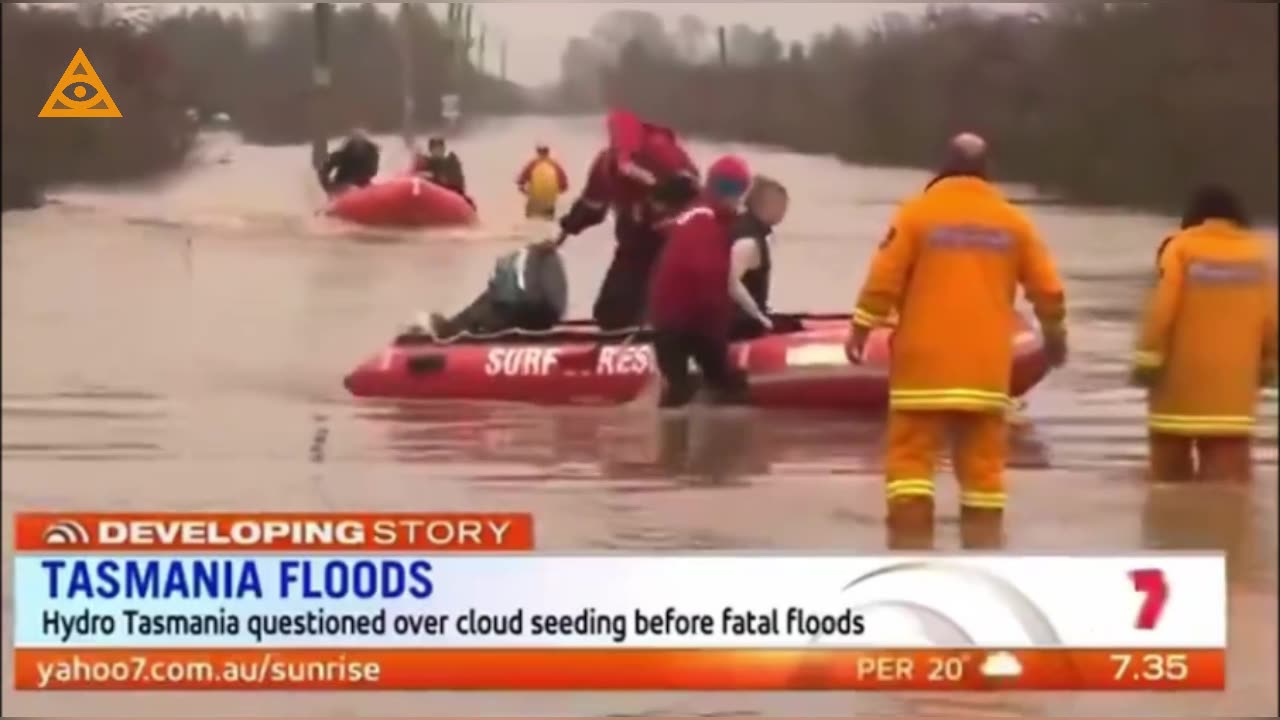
642,165
689,307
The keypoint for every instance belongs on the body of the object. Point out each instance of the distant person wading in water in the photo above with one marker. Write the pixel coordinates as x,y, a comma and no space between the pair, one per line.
353,164
542,181
442,167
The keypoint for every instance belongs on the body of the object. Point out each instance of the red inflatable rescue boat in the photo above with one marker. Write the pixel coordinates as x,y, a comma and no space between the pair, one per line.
406,201
577,364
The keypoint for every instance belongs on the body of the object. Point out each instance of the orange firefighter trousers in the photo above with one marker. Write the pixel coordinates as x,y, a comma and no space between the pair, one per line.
1181,458
979,445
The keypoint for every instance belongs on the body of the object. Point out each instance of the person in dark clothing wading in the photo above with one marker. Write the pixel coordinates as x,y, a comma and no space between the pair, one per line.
689,308
442,167
354,164
751,259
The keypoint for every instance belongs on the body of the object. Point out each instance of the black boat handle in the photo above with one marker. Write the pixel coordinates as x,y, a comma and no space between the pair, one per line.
426,364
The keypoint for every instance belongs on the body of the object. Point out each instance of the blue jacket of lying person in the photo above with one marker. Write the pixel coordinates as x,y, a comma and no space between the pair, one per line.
532,277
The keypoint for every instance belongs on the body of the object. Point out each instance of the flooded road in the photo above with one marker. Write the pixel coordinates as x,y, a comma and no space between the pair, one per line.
180,345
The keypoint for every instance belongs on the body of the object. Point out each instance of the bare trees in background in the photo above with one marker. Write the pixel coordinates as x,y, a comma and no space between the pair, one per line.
368,50
1103,102
252,63
154,134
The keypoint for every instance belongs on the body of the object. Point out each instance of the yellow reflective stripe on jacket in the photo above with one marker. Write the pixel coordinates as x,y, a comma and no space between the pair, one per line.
979,500
1145,359
865,319
950,399
909,488
1201,424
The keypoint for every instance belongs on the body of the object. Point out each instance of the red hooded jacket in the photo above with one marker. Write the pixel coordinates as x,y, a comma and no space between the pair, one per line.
623,175
689,288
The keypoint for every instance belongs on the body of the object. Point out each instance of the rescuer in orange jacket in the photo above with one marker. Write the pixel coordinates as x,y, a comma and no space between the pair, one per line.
950,268
1208,342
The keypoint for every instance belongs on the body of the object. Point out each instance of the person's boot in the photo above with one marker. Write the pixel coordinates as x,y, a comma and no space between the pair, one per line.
909,525
677,395
733,392
981,529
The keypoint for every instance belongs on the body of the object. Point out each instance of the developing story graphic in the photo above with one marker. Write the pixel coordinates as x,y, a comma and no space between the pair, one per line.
461,602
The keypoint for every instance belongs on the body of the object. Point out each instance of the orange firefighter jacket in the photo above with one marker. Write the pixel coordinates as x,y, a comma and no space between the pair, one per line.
1209,331
950,268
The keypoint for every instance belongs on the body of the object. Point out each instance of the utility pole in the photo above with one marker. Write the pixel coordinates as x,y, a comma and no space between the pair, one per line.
467,38
480,49
449,42
321,79
723,40
502,63
455,44
450,102
406,71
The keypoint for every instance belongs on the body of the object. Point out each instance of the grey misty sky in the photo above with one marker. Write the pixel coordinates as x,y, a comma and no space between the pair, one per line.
537,32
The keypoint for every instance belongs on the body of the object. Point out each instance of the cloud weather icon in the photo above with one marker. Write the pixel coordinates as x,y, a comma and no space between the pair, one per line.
1001,665
66,532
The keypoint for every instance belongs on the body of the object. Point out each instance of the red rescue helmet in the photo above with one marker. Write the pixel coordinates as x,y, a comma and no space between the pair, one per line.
729,177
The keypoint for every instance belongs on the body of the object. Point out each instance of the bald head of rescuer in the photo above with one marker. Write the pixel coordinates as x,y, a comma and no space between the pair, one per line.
953,254
966,156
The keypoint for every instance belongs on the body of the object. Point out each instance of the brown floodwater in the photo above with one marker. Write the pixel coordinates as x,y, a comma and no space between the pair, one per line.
180,344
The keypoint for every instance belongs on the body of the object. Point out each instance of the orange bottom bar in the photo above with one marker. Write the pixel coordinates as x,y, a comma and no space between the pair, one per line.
619,669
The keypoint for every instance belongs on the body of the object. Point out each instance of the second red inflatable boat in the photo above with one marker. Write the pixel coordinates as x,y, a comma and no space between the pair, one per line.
405,202
575,364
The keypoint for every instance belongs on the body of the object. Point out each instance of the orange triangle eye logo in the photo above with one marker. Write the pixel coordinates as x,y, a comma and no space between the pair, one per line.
80,93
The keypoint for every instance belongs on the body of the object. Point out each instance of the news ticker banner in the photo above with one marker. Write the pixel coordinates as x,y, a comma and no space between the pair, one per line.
457,602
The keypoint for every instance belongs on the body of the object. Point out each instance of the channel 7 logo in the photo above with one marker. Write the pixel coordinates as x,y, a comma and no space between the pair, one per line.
957,604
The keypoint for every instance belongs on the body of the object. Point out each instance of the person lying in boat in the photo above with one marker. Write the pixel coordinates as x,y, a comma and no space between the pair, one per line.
442,167
353,164
751,259
527,291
